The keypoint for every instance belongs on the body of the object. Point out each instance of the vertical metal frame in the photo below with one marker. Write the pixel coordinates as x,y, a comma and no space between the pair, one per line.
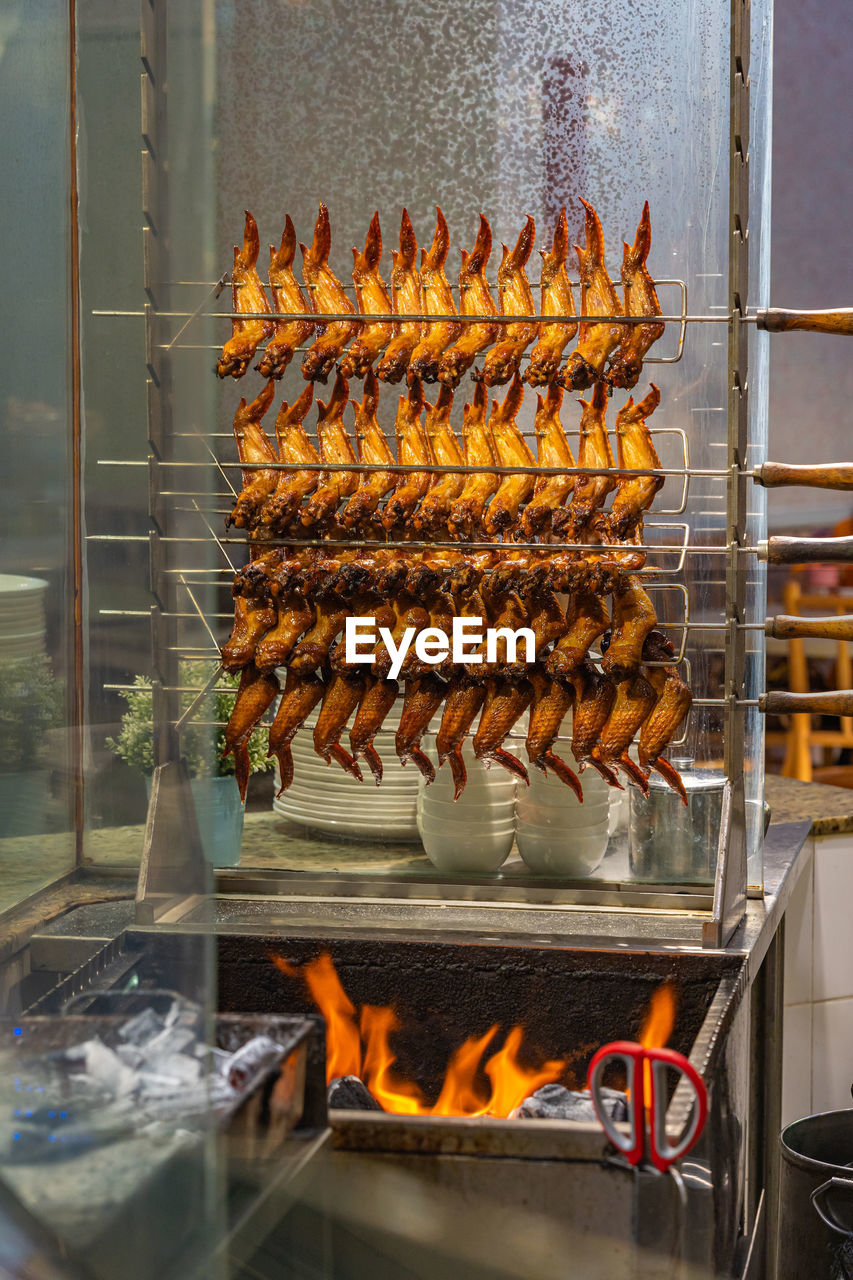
734,865
156,268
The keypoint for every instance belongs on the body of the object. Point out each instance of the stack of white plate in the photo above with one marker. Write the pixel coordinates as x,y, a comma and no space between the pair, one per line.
22,627
326,798
557,835
474,833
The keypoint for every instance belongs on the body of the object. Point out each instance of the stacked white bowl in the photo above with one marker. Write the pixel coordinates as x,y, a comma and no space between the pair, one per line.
475,833
557,835
326,798
22,626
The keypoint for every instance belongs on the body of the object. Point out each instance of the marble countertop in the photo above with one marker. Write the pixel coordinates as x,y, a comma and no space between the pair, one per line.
829,809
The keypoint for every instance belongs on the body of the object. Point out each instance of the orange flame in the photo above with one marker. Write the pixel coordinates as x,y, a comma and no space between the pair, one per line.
657,1027
660,1019
360,1046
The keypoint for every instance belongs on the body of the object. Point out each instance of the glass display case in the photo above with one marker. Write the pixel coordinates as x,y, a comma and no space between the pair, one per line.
514,136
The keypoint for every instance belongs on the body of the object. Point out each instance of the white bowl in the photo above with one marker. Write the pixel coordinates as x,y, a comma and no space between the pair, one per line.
548,854
491,782
550,787
500,826
565,820
16,586
463,807
478,855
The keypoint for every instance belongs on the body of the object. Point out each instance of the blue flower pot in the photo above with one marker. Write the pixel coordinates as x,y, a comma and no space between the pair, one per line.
219,814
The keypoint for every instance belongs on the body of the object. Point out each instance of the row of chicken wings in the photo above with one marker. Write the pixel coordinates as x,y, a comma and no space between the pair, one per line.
291,611
292,602
443,349
484,486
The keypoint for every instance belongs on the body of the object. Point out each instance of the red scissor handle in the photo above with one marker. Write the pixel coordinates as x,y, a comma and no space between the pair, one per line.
662,1153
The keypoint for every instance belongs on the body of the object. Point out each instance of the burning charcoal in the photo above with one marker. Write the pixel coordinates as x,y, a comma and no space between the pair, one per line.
555,1102
143,1027
348,1093
257,1055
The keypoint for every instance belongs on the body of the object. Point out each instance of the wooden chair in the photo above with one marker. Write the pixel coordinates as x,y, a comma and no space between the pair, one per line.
801,736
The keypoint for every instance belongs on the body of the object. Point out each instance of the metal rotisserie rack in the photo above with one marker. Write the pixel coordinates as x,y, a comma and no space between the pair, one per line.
608,129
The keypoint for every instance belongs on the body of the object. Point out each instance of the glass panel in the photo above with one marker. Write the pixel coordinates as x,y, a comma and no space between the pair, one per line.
37,771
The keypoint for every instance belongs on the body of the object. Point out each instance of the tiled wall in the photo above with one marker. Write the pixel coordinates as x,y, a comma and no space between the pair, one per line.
818,1025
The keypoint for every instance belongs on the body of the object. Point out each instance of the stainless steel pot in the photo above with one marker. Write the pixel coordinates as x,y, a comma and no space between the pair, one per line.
815,1234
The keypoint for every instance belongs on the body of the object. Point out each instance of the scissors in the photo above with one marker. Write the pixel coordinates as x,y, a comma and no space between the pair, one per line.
633,1146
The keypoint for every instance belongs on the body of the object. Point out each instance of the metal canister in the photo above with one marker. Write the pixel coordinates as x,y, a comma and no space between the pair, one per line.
674,843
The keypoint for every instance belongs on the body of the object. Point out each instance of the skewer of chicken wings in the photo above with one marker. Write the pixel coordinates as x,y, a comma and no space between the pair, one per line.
598,298
641,299
406,299
557,300
255,449
475,299
373,451
247,298
552,450
372,298
435,509
288,299
512,451
413,450
634,450
293,447
515,299
467,511
437,301
335,447
590,491
328,297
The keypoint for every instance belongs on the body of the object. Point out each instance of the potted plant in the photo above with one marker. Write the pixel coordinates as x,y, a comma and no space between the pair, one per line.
30,705
218,807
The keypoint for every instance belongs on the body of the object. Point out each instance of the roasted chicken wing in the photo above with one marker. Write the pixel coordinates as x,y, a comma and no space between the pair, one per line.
372,451
437,301
255,449
300,697
434,511
552,701
598,298
512,451
466,513
516,299
641,299
288,299
413,450
552,450
590,491
406,299
256,694
328,297
335,447
475,299
248,299
293,487
372,298
634,450
557,300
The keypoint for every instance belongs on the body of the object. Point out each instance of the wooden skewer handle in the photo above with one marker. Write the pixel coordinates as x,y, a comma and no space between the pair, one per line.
806,550
833,475
780,702
777,320
787,627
